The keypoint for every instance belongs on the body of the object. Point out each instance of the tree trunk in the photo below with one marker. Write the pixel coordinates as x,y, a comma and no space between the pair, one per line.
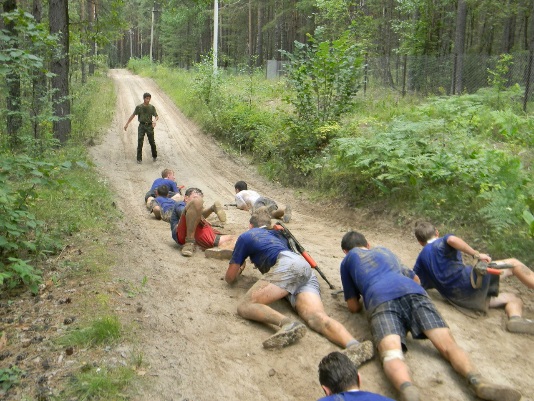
14,118
459,46
58,12
259,37
509,30
38,82
91,14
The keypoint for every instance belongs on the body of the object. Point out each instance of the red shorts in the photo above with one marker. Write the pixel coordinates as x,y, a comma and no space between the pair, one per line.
205,235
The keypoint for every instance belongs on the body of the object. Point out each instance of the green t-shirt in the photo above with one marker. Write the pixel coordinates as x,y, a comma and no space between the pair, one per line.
145,113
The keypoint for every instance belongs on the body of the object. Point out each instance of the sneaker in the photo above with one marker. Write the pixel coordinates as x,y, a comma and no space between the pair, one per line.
360,353
287,214
520,325
409,393
138,161
493,392
288,334
155,159
188,249
219,211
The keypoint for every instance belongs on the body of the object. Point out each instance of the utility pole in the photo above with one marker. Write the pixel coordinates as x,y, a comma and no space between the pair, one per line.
215,33
131,43
152,32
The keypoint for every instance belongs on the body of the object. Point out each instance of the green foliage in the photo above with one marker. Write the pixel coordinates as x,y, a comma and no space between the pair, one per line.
438,159
529,219
24,52
93,105
105,330
324,76
24,59
10,377
22,237
498,77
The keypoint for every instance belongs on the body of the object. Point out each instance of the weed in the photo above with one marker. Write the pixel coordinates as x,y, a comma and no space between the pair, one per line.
105,330
10,377
101,383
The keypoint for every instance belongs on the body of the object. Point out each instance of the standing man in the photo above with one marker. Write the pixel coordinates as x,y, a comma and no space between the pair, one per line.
395,304
286,274
145,112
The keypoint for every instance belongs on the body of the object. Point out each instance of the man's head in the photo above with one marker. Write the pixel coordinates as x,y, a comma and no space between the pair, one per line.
167,173
353,239
240,186
192,193
337,374
146,98
425,231
260,218
163,191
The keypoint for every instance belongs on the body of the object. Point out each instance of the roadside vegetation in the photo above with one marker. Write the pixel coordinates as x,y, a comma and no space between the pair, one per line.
57,219
464,162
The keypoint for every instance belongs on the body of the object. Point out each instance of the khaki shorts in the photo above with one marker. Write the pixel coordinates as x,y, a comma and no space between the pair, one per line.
293,274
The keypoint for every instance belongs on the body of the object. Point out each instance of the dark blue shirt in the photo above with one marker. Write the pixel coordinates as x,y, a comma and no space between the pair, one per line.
355,396
377,275
173,187
261,245
440,266
166,204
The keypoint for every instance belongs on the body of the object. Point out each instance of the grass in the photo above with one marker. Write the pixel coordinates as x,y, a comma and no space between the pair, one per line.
100,383
105,330
78,216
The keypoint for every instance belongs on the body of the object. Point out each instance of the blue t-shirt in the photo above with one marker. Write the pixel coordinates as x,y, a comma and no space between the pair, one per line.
173,187
440,266
175,218
355,396
377,275
166,204
261,245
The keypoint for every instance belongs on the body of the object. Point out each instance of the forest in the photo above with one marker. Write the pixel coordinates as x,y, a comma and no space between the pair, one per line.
412,108
397,109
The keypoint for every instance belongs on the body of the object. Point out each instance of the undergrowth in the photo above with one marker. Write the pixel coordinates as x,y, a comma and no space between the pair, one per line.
464,162
56,222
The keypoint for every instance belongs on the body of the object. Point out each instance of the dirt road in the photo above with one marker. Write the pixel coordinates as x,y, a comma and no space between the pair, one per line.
194,344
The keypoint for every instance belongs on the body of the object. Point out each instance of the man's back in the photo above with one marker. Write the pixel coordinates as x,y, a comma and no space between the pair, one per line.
245,199
377,275
440,266
261,245
173,187
355,396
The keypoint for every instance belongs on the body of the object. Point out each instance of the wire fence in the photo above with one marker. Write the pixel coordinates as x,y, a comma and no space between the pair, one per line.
431,75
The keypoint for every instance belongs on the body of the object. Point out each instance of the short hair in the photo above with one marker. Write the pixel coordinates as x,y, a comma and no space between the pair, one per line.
191,191
241,186
261,217
146,94
353,239
338,373
424,231
163,190
166,172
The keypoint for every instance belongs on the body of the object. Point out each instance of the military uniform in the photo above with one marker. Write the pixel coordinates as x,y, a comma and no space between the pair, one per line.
144,114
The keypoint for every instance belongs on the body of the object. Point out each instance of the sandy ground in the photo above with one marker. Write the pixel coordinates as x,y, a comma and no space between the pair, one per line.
195,345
